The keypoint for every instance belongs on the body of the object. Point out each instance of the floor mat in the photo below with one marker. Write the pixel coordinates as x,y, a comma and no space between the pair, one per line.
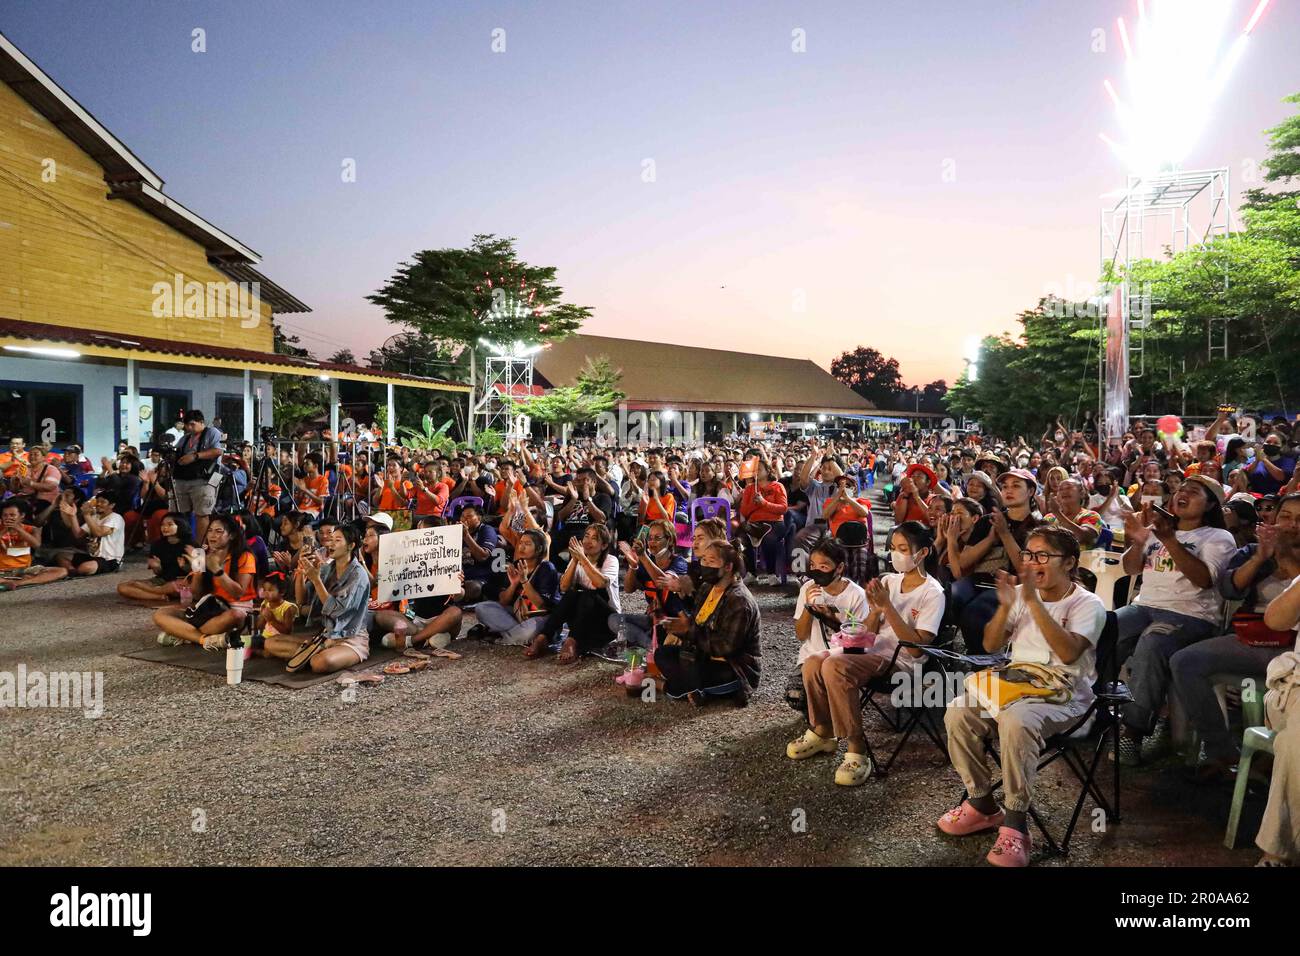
267,670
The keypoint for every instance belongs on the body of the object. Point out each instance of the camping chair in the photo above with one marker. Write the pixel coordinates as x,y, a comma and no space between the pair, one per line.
1082,745
916,712
862,564
453,509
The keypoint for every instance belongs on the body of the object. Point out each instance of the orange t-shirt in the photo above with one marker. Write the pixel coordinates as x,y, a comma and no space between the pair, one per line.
389,501
10,463
319,485
652,512
247,565
432,500
502,498
844,513
14,551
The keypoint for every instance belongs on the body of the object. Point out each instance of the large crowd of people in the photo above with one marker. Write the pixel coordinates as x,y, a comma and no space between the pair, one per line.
988,546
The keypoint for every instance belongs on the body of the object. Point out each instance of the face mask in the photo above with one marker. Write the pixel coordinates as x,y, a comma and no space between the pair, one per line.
821,578
902,562
710,575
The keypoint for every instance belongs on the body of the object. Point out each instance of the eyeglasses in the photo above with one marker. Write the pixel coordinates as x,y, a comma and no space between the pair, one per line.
1039,557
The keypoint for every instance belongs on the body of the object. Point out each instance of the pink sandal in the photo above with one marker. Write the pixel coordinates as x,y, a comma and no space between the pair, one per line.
1011,848
965,820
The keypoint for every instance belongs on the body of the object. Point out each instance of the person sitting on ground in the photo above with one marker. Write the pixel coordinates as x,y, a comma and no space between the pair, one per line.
169,560
227,571
647,562
826,599
338,592
590,596
17,539
1254,576
533,589
717,643
907,605
1065,508
478,557
1278,836
276,618
1049,620
383,617
99,534
1180,557
39,484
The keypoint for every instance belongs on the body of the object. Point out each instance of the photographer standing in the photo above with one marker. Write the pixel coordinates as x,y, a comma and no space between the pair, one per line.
196,460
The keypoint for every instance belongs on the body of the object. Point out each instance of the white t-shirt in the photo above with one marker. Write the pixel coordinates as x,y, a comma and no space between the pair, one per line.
609,570
852,598
1165,587
112,547
1080,612
921,607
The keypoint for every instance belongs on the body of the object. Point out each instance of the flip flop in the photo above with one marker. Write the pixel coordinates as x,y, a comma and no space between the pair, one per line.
367,678
415,654
418,665
397,667
450,655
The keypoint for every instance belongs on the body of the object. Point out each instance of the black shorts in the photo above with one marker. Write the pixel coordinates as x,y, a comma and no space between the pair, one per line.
102,566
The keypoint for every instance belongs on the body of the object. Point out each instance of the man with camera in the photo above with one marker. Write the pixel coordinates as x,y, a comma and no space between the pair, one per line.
196,453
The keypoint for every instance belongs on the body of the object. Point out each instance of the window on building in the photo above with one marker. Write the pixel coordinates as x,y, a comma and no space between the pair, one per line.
48,414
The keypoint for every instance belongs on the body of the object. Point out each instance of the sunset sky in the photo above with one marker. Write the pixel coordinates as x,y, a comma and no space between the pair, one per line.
779,177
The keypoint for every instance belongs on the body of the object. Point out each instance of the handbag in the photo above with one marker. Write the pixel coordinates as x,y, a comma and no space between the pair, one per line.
999,687
205,609
1251,630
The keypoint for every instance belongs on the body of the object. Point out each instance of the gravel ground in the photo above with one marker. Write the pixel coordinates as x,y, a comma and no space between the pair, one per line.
488,760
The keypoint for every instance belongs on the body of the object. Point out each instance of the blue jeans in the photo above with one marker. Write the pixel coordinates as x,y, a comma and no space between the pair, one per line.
501,620
1195,670
1148,638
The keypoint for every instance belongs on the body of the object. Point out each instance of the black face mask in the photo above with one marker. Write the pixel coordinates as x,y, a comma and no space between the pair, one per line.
710,575
821,578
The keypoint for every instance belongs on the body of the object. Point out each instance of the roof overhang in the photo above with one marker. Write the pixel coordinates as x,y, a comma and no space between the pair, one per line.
72,119
108,345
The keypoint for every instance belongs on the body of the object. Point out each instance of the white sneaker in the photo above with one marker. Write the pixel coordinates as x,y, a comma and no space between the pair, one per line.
809,745
854,771
169,640
214,642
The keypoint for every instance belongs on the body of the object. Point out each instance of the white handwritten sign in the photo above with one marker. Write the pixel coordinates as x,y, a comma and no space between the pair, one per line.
414,564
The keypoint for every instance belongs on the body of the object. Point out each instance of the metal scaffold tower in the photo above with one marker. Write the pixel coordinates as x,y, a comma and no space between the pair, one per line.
1158,215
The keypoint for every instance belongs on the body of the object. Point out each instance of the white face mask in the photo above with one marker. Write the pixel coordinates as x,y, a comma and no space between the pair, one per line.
902,562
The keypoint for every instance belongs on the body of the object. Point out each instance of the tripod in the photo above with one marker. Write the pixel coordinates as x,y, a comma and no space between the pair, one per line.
260,486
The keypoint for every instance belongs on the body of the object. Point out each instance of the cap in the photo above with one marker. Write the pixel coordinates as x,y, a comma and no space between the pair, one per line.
382,518
1022,473
1209,484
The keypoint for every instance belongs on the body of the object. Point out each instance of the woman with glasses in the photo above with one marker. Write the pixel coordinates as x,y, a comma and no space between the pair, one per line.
1051,621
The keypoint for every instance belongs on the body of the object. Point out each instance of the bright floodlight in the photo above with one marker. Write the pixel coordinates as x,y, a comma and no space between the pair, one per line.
667,414
821,418
753,416
1177,62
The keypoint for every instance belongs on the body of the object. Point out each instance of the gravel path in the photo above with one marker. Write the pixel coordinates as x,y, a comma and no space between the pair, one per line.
489,760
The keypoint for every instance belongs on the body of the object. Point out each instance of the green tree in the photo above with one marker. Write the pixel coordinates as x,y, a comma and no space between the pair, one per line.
459,296
871,375
295,399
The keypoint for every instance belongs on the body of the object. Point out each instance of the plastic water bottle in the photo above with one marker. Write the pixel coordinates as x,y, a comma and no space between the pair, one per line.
564,635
